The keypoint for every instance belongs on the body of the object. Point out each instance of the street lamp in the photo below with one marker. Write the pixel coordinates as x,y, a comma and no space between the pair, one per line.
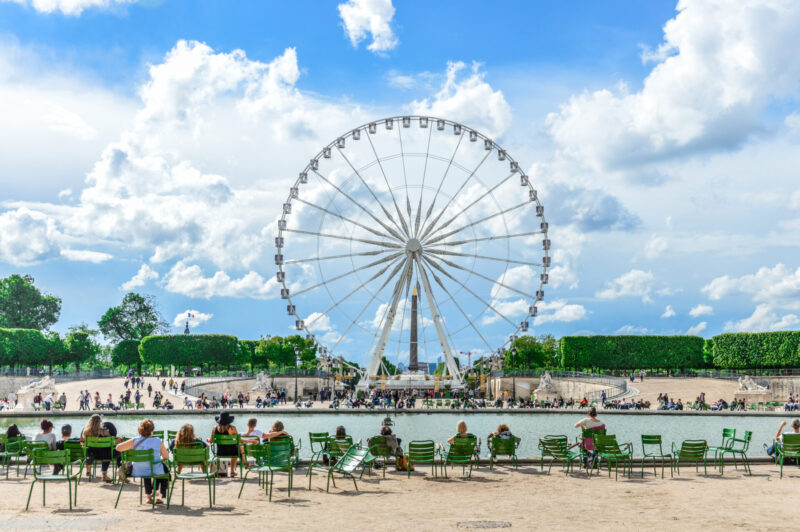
296,364
514,375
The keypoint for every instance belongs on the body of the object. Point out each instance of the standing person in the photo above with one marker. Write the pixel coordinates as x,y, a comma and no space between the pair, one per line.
81,403
63,400
12,400
146,441
778,439
149,390
590,423
48,401
225,426
164,385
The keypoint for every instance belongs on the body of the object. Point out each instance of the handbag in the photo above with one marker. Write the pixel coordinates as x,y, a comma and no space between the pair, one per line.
128,471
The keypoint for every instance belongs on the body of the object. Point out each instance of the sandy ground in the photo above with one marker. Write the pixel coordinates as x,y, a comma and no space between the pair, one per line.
527,499
685,389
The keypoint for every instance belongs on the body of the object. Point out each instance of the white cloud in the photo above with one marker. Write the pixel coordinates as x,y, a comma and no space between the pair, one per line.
195,318
373,17
69,7
700,310
27,237
696,329
470,100
509,308
764,318
559,310
190,281
635,283
145,274
632,329
318,322
655,247
668,312
63,120
719,65
85,255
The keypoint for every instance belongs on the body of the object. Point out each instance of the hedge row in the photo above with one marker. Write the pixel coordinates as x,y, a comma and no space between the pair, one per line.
756,350
631,352
190,349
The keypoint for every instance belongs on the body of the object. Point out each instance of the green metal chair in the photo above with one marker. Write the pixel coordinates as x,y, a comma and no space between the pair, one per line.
561,438
42,457
461,452
789,448
608,450
192,456
227,440
649,444
378,448
347,465
170,436
557,449
727,436
277,458
100,442
421,452
14,447
738,447
317,440
145,455
30,447
503,447
691,451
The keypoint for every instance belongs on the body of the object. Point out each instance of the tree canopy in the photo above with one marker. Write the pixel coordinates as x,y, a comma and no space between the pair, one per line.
136,317
23,306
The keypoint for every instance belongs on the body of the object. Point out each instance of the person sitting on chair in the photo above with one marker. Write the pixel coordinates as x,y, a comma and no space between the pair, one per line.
772,450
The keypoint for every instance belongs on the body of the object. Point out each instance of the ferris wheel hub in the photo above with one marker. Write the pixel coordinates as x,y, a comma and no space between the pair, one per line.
413,246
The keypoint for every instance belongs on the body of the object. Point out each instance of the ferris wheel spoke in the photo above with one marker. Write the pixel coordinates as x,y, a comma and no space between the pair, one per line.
497,237
351,272
476,296
388,186
357,204
340,237
395,297
431,231
361,287
476,222
405,178
422,188
473,272
444,209
372,192
343,256
485,257
439,189
455,301
337,215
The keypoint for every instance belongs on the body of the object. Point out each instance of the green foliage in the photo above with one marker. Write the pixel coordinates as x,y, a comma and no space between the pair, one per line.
247,350
532,352
631,352
390,368
24,347
23,306
126,353
190,350
80,348
280,352
757,350
136,317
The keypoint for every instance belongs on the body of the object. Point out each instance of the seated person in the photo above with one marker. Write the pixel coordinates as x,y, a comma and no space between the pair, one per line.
461,432
772,450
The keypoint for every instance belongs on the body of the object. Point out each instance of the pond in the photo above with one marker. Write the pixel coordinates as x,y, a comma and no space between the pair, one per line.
440,426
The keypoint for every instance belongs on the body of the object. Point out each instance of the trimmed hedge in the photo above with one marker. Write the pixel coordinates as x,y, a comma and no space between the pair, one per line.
778,349
190,350
25,347
631,352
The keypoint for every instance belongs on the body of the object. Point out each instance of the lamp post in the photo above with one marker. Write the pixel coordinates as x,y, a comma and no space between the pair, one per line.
514,375
296,364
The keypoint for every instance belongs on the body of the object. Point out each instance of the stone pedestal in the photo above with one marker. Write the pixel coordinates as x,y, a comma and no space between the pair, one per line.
754,396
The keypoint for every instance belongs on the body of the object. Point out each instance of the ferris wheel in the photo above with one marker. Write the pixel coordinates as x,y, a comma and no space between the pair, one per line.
409,237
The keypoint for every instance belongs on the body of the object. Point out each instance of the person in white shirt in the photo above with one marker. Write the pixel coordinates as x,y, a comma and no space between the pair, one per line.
48,401
47,434
252,434
778,440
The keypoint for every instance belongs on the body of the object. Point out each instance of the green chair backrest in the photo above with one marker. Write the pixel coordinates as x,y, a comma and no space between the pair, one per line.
748,435
727,434
462,449
32,446
562,438
554,447
422,451
47,457
136,455
104,442
791,444
338,447
693,449
503,445
226,439
76,450
318,440
651,440
15,444
351,460
279,452
171,435
190,455
606,443
379,447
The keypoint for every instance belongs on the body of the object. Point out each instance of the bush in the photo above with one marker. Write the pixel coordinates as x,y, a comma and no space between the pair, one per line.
631,352
757,350
190,350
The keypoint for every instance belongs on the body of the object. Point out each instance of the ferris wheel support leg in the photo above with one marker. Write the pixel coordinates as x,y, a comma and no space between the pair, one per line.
450,361
377,354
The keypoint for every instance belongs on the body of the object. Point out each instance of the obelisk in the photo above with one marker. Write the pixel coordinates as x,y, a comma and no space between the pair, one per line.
413,365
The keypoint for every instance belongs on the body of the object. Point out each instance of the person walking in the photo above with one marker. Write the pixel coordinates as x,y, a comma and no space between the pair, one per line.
149,390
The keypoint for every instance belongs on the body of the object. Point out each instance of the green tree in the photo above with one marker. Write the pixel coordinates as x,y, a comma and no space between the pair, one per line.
54,352
80,347
190,349
391,368
135,318
23,306
24,347
126,353
275,351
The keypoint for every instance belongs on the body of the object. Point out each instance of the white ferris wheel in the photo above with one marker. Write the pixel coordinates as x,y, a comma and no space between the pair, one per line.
412,238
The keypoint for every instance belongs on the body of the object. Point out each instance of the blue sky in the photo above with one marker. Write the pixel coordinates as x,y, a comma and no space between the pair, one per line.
150,144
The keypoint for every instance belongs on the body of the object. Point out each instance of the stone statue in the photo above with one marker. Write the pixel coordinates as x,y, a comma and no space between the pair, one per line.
324,364
261,383
545,384
497,363
747,383
46,384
